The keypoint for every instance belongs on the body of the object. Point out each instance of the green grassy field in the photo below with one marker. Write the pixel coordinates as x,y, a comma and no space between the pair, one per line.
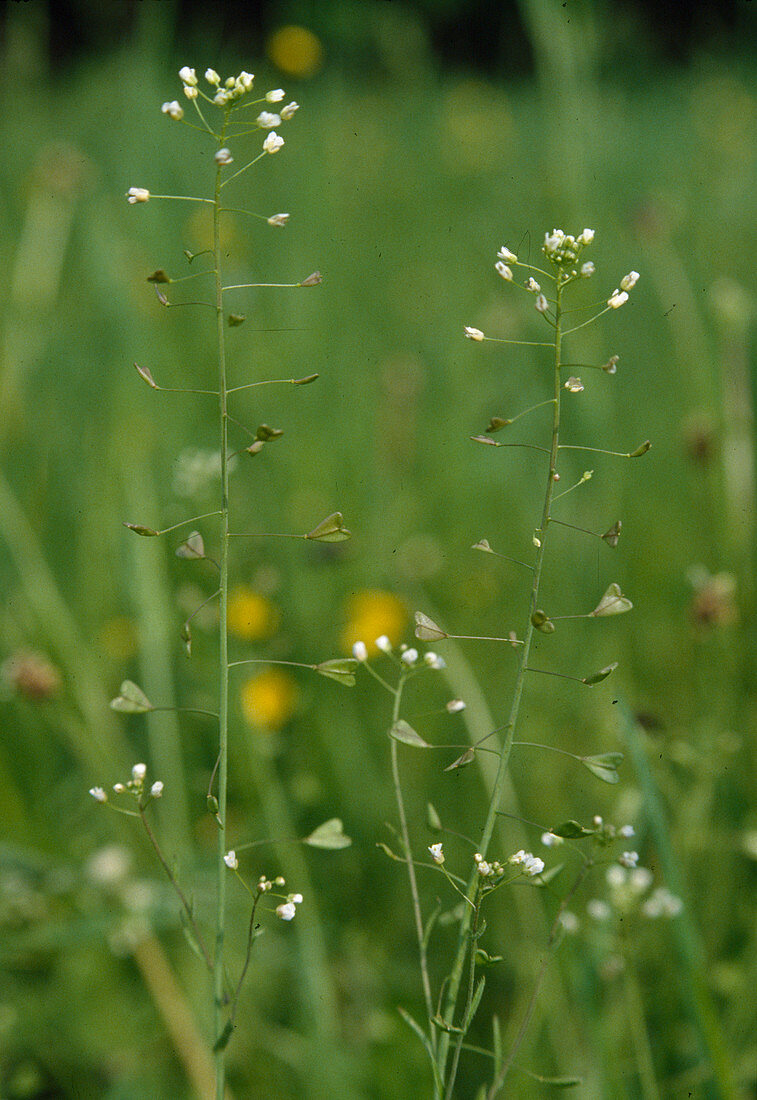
401,190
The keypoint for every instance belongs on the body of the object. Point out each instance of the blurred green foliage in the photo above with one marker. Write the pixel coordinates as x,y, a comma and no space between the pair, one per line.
401,189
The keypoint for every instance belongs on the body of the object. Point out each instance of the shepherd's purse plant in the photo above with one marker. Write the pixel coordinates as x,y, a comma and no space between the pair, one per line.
227,112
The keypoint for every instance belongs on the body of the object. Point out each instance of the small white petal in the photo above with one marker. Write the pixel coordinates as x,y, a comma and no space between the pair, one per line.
286,911
474,333
231,861
276,95
360,651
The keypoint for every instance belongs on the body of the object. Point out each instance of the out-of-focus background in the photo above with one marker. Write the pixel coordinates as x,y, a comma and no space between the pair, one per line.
430,133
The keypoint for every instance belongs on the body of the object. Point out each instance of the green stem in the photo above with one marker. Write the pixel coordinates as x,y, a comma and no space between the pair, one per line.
639,1035
500,782
223,707
404,832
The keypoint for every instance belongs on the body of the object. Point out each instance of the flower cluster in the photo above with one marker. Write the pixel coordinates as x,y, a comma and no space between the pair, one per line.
531,864
134,786
627,886
409,656
287,910
563,250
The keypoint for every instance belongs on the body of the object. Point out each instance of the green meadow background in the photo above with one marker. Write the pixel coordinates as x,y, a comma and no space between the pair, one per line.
403,176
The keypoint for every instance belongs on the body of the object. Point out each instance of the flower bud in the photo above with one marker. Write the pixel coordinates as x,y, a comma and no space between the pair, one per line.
173,110
138,772
223,156
541,304
188,76
360,651
474,333
268,121
289,110
273,142
138,194
617,299
98,794
629,280
231,861
278,219
504,271
506,255
212,77
276,95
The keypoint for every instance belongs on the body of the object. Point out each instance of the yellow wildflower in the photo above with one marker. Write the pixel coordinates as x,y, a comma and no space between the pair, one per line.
295,51
251,615
370,614
268,699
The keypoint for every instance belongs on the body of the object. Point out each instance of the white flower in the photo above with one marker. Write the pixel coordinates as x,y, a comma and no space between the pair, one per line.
231,861
598,909
276,95
454,706
550,840
223,156
662,904
138,194
268,121
173,109
119,788
433,660
383,644
504,271
574,385
629,280
156,790
138,773
640,879
569,921
541,304
278,219
296,898
436,853
272,144
506,255
626,831
360,651
617,299
246,80
587,269
616,877
189,76
585,237
474,333
190,91
533,865
553,240
628,859
410,656
519,857
212,77
531,284
98,794
482,866
286,911
221,97
288,111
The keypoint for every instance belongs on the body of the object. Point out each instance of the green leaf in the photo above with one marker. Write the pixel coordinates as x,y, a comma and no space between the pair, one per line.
433,820
598,677
548,875
330,529
139,529
236,319
441,1023
328,835
475,1002
467,757
341,669
388,851
427,630
132,699
613,602
405,733
604,766
571,830
411,1023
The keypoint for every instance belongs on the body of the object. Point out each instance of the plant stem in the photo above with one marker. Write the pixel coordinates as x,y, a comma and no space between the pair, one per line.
223,670
500,782
425,980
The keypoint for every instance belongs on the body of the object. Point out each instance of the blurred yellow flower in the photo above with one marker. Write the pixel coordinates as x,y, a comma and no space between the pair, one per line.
369,615
268,699
295,51
250,615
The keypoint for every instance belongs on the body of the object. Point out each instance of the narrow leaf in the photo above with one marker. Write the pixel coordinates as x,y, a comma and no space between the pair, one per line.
433,820
306,380
132,699
483,958
475,1002
405,733
484,439
223,1039
329,835
411,1023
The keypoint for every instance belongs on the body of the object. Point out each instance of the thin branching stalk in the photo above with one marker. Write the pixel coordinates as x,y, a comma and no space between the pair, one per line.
500,783
223,646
